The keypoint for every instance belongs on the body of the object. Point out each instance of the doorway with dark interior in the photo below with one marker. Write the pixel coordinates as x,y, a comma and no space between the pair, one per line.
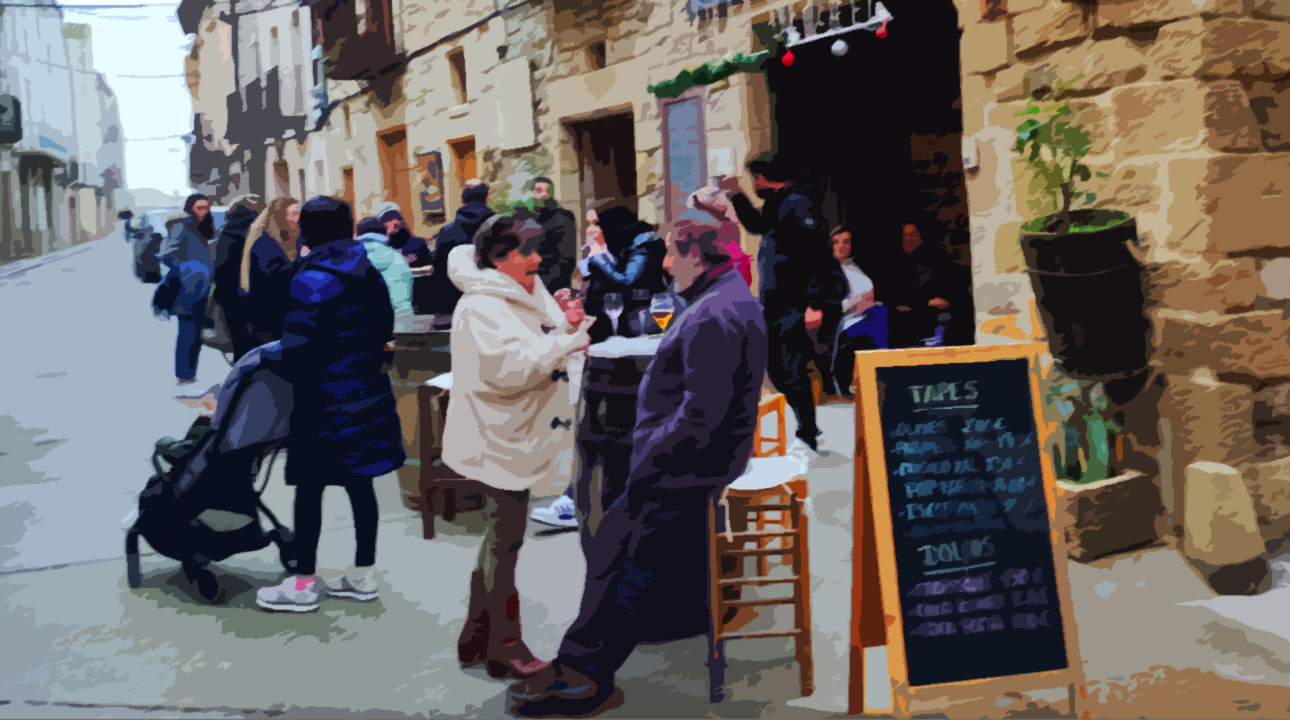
606,148
880,127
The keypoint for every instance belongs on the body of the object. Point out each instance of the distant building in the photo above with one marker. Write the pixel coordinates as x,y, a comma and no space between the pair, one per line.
57,180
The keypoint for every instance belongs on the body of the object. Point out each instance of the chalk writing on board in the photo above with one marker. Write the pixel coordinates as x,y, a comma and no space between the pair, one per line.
970,522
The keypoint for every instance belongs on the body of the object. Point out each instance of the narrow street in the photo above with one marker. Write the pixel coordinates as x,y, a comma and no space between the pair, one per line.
83,406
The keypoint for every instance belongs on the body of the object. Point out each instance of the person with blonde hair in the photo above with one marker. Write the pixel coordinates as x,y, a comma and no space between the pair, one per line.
268,262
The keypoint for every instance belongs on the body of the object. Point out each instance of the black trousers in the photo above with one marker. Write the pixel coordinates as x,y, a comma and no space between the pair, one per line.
646,581
791,352
308,517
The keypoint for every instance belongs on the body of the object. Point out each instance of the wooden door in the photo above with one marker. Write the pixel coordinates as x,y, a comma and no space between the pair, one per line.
347,177
281,178
463,163
607,160
396,168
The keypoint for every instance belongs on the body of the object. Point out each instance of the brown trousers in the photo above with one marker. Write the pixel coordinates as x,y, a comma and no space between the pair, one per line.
494,603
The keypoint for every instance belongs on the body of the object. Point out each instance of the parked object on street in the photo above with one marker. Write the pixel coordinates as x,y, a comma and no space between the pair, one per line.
201,505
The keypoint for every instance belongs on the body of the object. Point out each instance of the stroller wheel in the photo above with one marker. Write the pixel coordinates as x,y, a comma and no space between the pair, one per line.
133,575
207,584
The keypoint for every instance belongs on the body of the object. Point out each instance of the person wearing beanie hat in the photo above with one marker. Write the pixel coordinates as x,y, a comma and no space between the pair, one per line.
802,284
414,249
230,311
392,266
441,295
344,428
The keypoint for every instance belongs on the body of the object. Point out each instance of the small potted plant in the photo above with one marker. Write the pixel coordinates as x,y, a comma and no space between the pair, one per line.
1103,507
1088,285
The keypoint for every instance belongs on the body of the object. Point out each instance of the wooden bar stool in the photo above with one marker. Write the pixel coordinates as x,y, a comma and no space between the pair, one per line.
758,516
771,403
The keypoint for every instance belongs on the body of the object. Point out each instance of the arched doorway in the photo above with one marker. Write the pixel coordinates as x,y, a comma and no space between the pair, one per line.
881,126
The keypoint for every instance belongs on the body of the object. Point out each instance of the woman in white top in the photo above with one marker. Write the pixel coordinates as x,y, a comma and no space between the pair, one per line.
864,320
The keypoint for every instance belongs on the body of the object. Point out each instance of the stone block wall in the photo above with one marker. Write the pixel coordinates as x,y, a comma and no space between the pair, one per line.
1186,102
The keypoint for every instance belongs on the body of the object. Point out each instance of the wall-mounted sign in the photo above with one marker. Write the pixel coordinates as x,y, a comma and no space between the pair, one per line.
10,120
430,192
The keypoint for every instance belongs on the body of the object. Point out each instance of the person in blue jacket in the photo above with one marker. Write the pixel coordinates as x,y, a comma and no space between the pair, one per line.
186,255
626,258
344,430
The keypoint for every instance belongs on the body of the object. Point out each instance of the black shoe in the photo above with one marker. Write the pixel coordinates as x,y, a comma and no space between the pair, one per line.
559,691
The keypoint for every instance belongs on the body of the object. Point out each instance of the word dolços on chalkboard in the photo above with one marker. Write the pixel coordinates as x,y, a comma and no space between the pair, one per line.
1023,593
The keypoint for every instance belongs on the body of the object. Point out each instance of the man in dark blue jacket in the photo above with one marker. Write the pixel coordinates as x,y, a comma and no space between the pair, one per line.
802,285
696,418
461,231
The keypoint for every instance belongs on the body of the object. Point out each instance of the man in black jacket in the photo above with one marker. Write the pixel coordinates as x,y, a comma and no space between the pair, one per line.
461,231
228,259
559,246
802,285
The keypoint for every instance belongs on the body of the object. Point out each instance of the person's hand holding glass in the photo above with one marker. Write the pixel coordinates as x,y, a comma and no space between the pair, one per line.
613,305
661,308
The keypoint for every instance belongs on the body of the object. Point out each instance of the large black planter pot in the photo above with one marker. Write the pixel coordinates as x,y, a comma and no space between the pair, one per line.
1088,288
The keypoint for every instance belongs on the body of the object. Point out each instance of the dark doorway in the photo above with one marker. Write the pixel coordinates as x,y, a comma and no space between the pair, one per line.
606,150
881,126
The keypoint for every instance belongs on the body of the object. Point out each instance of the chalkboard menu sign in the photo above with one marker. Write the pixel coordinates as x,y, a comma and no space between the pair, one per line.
970,527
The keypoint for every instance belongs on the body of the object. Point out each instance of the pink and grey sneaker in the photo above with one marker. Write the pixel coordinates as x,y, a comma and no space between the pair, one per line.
293,594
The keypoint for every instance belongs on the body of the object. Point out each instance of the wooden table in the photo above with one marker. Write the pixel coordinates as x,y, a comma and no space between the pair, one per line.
421,353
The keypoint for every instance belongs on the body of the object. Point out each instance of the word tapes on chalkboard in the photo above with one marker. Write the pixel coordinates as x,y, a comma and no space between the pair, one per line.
953,483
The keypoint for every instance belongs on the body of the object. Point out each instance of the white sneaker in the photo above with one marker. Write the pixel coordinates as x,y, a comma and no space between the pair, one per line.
293,594
561,513
356,584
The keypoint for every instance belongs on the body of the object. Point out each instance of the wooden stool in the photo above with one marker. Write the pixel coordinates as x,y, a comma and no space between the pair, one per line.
759,515
440,489
771,403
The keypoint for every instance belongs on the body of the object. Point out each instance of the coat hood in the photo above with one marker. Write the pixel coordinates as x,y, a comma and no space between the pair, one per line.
470,279
375,237
343,257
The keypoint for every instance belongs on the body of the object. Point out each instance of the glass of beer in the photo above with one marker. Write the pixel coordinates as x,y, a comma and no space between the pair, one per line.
661,308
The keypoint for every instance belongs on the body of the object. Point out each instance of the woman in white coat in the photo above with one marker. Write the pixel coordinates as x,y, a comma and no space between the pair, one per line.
510,422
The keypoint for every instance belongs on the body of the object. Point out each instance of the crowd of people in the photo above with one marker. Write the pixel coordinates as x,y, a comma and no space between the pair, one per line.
318,295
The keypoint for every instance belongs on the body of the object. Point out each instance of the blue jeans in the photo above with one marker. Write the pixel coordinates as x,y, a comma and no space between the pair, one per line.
187,346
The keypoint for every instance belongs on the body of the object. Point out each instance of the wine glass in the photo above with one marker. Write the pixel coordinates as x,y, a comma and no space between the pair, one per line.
614,309
661,307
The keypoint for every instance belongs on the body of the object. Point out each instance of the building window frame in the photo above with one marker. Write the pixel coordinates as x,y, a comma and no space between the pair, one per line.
459,75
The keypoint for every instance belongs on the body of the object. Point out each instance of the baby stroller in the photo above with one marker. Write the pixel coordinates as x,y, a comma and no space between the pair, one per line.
202,505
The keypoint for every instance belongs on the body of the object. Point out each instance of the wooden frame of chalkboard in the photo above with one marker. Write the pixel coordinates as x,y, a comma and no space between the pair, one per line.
966,585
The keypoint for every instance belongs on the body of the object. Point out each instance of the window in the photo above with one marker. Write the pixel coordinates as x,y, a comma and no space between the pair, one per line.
304,193
596,55
349,132
295,18
457,66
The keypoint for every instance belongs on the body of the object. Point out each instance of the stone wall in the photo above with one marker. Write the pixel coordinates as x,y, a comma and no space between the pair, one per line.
1188,107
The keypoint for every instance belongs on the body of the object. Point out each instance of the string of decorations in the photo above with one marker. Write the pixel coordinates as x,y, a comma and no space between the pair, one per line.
709,73
876,22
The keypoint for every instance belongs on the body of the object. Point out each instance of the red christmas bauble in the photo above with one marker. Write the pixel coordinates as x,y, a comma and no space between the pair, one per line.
788,59
882,31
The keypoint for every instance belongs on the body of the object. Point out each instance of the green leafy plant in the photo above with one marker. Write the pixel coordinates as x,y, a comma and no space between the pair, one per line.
1054,144
1082,450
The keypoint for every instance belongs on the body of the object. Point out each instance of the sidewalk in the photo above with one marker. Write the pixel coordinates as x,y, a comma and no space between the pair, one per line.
1155,641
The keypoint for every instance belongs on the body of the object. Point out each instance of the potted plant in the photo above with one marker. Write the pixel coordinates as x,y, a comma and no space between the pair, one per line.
1102,506
1088,285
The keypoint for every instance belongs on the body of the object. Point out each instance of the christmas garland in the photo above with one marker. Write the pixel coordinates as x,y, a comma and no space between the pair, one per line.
709,73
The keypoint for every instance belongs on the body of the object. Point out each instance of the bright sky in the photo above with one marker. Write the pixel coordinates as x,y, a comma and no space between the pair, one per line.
144,41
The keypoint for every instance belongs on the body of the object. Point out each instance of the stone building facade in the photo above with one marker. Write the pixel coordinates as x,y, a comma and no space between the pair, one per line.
1187,103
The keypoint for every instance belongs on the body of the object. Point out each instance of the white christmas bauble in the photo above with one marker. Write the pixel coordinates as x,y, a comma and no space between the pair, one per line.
839,48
